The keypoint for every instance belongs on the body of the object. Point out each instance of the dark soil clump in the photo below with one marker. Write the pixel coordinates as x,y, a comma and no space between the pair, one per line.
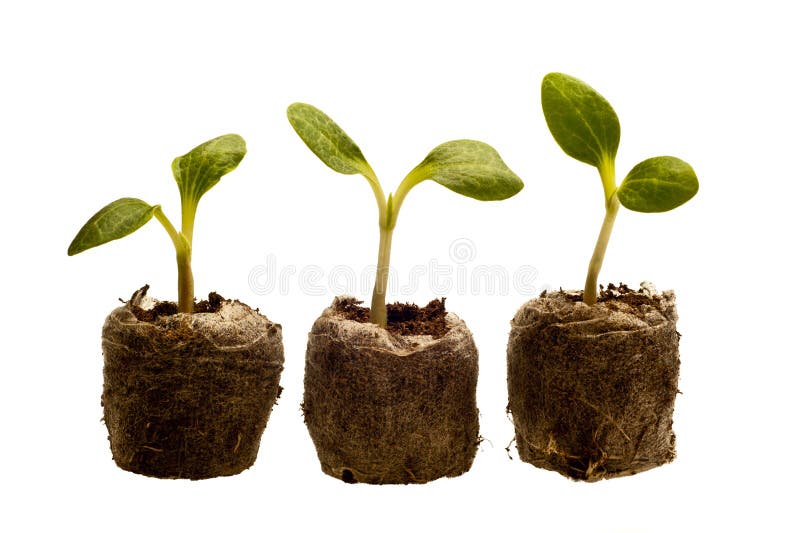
385,408
403,319
189,395
592,388
212,305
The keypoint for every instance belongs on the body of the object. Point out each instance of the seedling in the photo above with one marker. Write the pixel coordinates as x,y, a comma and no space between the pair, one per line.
470,168
586,127
196,172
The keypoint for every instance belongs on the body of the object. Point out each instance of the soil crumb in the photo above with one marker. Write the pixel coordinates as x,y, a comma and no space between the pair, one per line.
403,319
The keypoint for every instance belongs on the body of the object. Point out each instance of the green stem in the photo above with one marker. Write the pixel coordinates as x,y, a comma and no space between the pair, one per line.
185,281
590,290
380,197
171,231
387,219
183,255
185,276
608,177
377,310
188,212
405,186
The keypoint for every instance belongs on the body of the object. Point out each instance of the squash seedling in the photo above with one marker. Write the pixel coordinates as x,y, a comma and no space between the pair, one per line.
586,127
195,172
382,405
186,394
592,379
470,168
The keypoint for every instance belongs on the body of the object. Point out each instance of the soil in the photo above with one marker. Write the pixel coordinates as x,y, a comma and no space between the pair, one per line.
592,388
188,395
212,305
403,319
389,408
637,300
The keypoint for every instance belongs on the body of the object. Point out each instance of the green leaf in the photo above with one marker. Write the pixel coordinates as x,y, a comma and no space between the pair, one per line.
116,220
328,141
582,122
200,169
471,168
658,184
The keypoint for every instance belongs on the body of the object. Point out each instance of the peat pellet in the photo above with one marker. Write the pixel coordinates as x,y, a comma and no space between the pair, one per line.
384,407
189,395
592,388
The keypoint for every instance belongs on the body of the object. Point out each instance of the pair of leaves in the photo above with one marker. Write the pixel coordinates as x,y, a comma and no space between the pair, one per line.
195,172
470,168
586,127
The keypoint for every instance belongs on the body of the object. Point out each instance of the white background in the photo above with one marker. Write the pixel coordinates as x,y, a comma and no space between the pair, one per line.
98,97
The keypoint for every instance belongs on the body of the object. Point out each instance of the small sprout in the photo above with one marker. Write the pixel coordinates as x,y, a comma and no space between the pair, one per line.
586,127
195,172
470,168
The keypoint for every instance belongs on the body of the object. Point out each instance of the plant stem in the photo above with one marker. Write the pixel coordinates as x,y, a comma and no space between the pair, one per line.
185,281
188,212
185,275
590,289
183,255
377,310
